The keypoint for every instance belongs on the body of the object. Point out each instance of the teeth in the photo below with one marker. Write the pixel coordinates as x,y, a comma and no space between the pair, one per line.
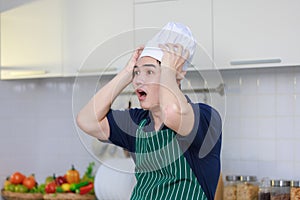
141,92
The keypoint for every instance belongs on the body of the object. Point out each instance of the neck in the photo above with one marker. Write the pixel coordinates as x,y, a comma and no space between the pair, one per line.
157,117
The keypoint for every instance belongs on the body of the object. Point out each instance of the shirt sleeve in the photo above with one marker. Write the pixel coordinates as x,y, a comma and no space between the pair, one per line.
123,125
208,129
202,147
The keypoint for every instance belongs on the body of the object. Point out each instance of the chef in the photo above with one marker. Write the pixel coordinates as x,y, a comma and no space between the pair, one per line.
174,142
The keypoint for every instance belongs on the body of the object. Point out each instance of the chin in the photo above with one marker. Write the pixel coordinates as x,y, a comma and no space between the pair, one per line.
145,107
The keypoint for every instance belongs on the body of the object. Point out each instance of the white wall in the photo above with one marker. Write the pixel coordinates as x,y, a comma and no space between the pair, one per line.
262,127
38,133
260,109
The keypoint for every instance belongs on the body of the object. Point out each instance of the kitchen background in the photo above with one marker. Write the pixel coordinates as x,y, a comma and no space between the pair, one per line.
260,107
260,134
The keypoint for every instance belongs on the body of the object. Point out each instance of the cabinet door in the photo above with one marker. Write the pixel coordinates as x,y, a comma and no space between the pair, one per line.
151,16
31,40
255,33
97,36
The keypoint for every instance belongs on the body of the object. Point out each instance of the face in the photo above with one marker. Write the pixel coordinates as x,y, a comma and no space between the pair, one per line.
146,79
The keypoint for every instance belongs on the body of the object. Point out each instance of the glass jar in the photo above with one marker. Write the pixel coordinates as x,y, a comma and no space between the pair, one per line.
229,190
295,190
280,190
247,189
264,192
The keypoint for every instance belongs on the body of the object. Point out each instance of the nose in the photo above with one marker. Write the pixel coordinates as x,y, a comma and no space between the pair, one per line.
138,80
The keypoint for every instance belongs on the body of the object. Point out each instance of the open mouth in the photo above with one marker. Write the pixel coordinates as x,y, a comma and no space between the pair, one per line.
141,94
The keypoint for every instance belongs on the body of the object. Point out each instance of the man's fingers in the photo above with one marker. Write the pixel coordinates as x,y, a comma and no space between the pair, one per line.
185,54
177,49
139,49
164,48
181,54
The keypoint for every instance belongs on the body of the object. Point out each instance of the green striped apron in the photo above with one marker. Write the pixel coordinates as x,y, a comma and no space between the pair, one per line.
162,171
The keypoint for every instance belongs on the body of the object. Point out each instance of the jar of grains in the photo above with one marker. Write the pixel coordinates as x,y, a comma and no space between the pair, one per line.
229,190
247,188
295,190
280,190
264,192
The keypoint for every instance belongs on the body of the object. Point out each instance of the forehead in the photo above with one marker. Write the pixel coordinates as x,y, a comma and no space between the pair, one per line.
146,60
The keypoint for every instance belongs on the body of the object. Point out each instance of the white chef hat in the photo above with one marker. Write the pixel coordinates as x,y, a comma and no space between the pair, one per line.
175,33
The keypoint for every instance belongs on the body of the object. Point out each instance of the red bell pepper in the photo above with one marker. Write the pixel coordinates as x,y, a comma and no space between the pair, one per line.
86,189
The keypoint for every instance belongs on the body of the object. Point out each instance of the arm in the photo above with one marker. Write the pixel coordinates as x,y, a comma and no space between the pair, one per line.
92,117
178,113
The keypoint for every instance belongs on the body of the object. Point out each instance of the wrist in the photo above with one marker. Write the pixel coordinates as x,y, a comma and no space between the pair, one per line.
126,75
167,66
168,70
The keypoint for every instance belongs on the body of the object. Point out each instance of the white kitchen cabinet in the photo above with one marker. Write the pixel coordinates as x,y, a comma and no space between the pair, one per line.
254,33
31,40
151,16
49,38
97,36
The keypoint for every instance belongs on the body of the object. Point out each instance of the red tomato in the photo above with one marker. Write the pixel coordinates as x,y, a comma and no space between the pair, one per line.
50,187
17,178
29,182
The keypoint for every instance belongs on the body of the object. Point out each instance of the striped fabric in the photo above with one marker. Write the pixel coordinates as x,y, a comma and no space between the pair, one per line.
162,171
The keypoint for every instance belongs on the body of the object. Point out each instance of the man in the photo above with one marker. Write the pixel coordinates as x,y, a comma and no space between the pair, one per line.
166,135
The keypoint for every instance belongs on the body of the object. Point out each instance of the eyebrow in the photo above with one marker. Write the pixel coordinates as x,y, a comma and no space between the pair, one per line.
145,65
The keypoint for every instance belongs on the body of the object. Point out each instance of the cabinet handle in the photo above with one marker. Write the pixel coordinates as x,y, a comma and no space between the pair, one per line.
251,62
27,73
136,2
99,70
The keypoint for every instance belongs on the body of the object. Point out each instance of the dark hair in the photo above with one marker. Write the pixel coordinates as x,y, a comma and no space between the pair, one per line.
158,62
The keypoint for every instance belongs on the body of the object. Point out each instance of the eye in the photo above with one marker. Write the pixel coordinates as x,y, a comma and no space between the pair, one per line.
136,72
150,72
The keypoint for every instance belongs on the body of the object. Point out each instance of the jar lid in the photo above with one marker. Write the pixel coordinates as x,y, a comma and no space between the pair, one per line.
248,178
265,182
232,178
280,183
295,183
